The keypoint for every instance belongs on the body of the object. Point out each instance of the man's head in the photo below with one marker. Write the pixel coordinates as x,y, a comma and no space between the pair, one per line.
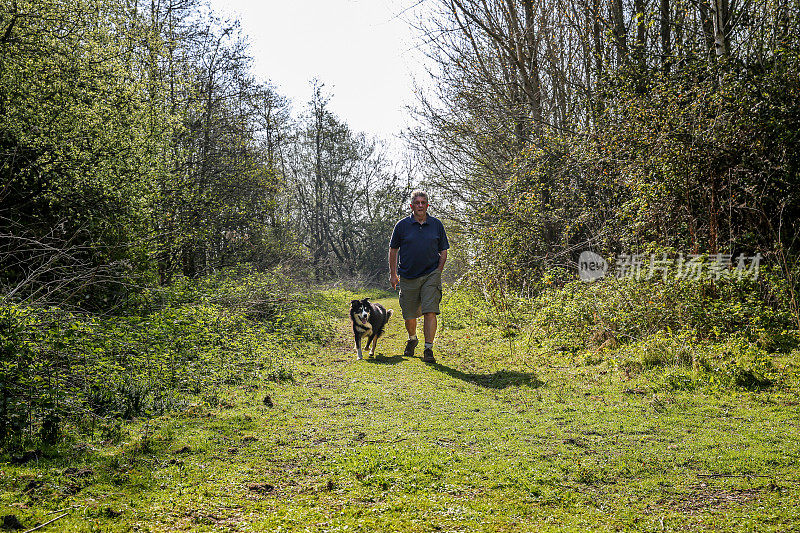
419,203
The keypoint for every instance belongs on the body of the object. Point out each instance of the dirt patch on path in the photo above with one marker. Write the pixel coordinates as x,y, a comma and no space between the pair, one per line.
703,497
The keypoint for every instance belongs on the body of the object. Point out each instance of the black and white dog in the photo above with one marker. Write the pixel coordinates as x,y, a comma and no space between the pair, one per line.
368,319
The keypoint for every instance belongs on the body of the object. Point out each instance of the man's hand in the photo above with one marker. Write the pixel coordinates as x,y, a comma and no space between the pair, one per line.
442,259
393,279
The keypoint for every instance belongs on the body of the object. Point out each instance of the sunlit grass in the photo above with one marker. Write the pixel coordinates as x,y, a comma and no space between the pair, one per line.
497,436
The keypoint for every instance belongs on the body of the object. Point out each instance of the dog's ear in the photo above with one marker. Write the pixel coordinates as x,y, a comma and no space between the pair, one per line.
365,300
354,302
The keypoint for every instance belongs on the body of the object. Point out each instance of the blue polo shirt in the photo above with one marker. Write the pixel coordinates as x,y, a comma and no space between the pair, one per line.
419,245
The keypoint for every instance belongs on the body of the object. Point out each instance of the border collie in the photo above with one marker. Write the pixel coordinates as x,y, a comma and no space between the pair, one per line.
368,319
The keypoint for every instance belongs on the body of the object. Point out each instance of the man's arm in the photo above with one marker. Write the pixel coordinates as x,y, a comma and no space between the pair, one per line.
393,279
442,259
443,243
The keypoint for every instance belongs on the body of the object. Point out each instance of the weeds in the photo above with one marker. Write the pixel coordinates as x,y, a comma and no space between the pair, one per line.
67,372
683,334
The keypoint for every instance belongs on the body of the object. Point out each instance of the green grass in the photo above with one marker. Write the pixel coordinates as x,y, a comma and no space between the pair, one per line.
497,436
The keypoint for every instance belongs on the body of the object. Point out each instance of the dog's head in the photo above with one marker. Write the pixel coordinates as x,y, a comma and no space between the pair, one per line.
360,309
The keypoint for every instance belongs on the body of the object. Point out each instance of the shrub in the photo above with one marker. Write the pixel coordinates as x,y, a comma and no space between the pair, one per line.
744,365
463,308
59,369
679,379
717,333
587,315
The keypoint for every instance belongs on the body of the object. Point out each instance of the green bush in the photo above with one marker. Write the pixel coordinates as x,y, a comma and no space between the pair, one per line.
585,315
744,365
679,379
694,332
463,308
62,369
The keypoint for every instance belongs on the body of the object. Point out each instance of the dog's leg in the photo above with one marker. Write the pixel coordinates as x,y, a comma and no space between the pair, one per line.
374,340
358,346
374,346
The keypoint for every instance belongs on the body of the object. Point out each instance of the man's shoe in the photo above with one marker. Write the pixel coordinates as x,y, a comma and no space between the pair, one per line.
411,345
427,356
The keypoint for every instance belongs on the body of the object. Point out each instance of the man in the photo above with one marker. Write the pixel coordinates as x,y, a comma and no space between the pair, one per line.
421,244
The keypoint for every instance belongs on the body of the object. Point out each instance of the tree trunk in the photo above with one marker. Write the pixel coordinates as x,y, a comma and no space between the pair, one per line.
720,17
666,50
641,29
620,34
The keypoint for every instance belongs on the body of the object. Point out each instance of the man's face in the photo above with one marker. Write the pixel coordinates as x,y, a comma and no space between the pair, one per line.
420,206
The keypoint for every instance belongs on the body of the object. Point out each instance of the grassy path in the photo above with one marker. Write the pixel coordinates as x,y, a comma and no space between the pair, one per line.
468,444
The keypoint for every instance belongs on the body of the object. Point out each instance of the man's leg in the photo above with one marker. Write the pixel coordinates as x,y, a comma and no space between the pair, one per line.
431,296
411,327
411,344
429,327
410,304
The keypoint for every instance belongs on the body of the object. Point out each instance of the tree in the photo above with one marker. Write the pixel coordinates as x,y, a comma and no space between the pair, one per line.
76,158
346,197
649,129
134,144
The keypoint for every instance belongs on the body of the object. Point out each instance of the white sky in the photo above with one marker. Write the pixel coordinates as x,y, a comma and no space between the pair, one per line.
360,49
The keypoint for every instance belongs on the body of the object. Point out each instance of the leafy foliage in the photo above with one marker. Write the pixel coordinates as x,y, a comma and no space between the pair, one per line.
87,371
671,127
689,333
77,166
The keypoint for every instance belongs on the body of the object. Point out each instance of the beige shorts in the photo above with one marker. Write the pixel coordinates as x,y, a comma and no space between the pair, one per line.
421,295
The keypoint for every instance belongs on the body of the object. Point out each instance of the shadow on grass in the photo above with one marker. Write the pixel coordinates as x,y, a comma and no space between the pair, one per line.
496,380
382,360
